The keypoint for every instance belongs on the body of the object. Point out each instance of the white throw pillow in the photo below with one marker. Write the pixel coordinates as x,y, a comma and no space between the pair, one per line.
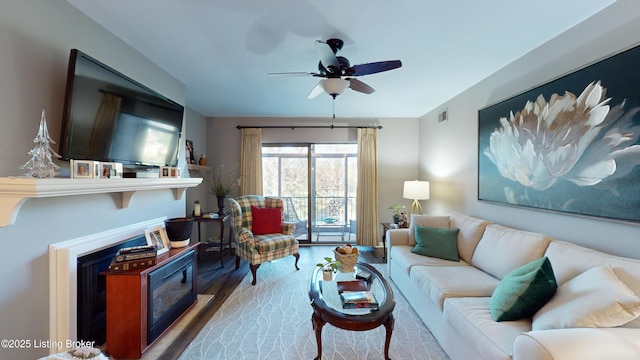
595,298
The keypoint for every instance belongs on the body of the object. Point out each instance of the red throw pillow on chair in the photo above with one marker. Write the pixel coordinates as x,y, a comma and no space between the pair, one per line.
266,220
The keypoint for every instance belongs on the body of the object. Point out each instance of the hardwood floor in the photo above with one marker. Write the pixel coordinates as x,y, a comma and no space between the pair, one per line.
221,281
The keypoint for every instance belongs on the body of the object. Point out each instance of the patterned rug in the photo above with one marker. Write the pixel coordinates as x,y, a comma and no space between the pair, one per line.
272,320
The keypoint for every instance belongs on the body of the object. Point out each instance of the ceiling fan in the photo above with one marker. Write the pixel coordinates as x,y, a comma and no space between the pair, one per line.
337,71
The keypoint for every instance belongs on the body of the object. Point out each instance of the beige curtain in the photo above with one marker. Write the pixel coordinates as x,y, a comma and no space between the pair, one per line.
367,224
105,126
251,162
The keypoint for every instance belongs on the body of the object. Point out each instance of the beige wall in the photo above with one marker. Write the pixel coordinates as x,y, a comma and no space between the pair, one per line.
448,151
35,39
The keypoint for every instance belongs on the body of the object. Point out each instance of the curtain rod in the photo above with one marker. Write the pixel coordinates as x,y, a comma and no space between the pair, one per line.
309,127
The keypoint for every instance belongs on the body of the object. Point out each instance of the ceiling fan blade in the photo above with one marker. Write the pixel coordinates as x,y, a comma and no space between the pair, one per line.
359,86
327,56
298,73
374,67
317,90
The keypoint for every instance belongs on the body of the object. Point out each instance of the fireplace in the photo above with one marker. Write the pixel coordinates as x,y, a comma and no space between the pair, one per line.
91,287
171,292
64,274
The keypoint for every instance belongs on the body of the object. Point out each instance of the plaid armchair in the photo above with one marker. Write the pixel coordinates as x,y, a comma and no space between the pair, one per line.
257,249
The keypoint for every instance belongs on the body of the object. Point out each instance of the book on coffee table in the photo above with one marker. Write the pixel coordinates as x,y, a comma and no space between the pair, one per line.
352,285
358,299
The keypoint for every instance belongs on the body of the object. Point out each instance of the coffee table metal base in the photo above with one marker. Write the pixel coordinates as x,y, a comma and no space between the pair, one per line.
318,321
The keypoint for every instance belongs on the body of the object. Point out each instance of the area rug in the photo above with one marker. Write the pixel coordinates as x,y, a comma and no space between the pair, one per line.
272,320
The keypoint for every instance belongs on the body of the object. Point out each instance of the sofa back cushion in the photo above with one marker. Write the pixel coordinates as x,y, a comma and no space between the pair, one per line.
439,222
595,298
471,230
570,260
503,249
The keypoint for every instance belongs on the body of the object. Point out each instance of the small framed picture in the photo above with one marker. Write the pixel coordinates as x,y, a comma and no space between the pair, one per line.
165,171
118,170
82,169
191,159
158,238
169,171
96,169
107,170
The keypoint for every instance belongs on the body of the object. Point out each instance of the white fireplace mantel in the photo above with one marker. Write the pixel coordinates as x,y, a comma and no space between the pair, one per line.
14,191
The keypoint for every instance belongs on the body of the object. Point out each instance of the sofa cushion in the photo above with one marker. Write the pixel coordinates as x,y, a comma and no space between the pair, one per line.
595,298
439,243
579,343
402,256
442,282
523,291
266,220
440,222
570,260
471,318
471,230
512,247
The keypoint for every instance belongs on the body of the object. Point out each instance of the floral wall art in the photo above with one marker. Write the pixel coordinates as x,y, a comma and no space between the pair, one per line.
570,145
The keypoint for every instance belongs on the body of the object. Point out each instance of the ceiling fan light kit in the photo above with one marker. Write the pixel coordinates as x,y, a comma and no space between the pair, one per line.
338,73
334,86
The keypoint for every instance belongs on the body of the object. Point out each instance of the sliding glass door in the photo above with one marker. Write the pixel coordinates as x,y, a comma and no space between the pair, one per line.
318,185
285,174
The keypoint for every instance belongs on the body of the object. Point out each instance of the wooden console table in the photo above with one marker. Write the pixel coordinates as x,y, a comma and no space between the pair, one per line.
132,326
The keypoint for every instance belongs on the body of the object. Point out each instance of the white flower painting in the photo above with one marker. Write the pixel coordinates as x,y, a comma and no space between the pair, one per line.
568,151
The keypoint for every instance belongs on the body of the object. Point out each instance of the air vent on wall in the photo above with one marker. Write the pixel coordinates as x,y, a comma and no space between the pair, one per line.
443,116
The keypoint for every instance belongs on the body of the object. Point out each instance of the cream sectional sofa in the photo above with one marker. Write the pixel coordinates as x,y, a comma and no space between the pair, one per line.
452,298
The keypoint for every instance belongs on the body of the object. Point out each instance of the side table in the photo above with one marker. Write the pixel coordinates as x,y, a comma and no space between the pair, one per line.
385,226
220,244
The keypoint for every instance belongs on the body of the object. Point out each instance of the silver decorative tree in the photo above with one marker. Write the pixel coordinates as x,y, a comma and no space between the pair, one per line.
40,165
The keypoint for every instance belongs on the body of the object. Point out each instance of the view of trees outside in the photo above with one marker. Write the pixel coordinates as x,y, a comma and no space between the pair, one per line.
334,177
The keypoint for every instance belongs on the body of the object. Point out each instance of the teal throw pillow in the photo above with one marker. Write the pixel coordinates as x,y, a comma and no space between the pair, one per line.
523,291
435,242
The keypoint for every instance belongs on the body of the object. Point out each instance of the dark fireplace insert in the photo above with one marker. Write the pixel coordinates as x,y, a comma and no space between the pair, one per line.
92,296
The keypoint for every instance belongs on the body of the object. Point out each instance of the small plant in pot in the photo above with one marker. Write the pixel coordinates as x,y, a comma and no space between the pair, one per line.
329,268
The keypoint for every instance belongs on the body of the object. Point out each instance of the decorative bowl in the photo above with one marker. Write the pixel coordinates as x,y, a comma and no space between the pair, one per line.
348,261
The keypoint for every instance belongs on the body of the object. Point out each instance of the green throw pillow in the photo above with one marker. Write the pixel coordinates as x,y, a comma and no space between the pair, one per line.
434,242
523,291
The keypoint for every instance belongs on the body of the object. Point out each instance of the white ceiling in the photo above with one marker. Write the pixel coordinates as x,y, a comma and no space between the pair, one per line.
222,50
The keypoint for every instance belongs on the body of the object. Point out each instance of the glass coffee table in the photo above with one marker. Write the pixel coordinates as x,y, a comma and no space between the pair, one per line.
327,307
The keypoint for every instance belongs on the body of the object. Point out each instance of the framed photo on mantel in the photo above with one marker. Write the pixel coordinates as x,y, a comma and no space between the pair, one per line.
81,169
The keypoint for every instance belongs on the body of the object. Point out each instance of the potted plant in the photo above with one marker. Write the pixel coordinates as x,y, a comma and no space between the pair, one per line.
221,184
397,211
329,268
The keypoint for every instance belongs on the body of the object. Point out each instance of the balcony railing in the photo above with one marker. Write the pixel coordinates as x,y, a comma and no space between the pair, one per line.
332,213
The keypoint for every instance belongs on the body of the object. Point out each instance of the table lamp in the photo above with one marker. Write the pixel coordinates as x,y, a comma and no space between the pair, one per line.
416,190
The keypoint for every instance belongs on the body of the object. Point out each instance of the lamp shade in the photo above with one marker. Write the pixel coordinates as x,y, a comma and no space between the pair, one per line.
334,86
416,190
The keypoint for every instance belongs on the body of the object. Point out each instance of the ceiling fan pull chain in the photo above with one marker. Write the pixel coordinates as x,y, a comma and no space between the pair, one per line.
333,105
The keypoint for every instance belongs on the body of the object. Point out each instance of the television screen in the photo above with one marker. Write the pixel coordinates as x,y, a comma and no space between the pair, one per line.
110,117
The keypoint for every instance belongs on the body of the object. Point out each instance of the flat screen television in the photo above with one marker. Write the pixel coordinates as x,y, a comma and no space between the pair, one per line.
111,117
